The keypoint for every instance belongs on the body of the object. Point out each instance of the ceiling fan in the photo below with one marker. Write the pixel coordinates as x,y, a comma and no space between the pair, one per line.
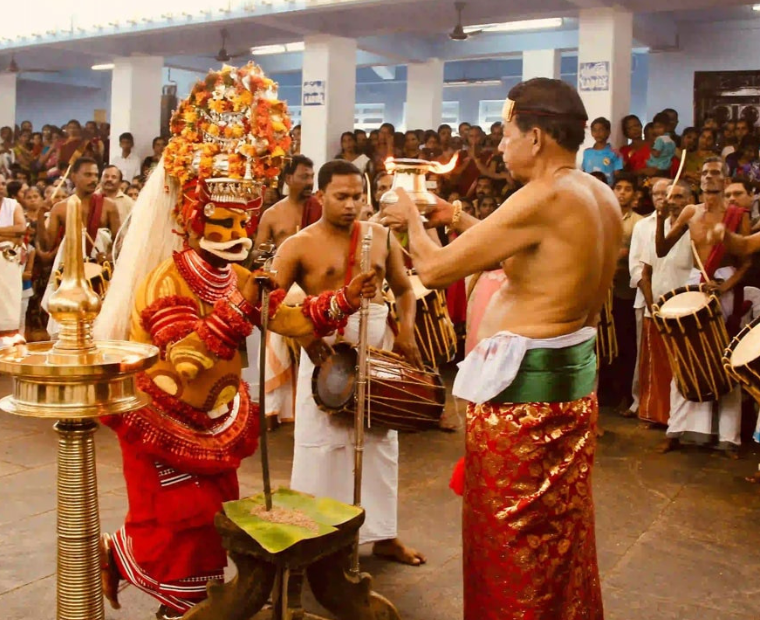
14,68
458,34
223,55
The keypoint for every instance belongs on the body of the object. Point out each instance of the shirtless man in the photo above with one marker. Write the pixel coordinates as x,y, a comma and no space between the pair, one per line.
317,258
700,220
286,218
84,174
528,511
695,420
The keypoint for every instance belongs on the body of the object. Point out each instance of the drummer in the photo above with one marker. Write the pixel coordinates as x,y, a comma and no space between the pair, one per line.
320,258
98,212
691,420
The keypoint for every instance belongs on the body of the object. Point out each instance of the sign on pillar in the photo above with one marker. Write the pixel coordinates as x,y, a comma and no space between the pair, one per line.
604,66
327,96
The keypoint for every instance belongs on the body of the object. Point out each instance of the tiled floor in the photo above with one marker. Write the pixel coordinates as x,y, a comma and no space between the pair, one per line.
678,534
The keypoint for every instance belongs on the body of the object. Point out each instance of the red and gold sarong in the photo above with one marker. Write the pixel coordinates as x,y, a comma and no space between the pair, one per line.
528,523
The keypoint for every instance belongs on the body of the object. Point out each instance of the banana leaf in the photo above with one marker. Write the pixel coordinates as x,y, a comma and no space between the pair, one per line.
323,514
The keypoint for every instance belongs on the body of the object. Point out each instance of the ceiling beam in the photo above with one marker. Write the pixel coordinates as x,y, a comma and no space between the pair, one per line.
399,48
499,45
658,32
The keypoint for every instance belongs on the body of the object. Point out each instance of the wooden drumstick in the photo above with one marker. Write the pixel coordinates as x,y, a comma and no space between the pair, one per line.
678,175
699,261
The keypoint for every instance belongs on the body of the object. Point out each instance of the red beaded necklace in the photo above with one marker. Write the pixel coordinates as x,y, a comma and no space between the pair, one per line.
209,283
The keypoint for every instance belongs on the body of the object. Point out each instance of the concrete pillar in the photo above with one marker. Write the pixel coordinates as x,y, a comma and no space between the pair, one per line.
424,94
136,101
8,100
541,63
604,66
328,96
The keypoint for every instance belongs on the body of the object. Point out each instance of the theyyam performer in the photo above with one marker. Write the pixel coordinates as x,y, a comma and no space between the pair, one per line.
528,521
177,285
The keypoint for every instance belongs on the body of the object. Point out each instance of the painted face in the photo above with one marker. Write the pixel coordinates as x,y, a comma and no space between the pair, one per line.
225,232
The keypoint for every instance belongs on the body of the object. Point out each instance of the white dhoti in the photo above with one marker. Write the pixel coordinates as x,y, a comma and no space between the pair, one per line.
11,274
699,422
279,378
323,462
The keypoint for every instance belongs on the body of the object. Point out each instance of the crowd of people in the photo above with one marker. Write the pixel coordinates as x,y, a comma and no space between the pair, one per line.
32,165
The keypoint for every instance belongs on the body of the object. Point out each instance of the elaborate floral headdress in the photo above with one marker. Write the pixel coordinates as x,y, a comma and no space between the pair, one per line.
230,137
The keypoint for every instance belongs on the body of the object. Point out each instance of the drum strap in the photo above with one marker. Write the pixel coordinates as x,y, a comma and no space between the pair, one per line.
93,222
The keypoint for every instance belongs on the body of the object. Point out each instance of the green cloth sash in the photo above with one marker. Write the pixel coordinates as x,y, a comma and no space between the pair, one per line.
553,375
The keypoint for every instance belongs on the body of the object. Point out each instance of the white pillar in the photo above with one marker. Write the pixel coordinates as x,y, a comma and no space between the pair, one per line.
541,63
8,100
328,96
604,66
424,94
136,101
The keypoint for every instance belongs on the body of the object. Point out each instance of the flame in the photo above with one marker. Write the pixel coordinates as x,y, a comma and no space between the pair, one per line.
437,167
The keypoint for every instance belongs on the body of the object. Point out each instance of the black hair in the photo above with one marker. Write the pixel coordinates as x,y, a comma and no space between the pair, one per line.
336,167
121,174
82,161
603,122
74,121
127,136
389,126
411,131
746,183
297,160
348,133
444,126
598,174
486,177
358,131
156,139
669,110
13,188
626,177
496,124
661,118
430,133
552,106
624,122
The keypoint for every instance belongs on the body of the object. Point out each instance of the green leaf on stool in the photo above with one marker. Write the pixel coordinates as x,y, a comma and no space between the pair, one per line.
307,517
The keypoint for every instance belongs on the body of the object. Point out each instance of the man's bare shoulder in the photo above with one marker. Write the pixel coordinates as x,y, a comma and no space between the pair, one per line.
110,204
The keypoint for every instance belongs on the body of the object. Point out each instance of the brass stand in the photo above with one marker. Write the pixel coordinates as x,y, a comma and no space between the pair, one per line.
76,380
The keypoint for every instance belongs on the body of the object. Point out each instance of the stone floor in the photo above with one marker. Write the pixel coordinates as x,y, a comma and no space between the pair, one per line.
678,534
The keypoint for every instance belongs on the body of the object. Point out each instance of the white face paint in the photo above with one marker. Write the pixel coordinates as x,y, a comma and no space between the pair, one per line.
220,248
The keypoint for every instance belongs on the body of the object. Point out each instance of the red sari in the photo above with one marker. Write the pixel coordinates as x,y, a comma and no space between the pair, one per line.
635,159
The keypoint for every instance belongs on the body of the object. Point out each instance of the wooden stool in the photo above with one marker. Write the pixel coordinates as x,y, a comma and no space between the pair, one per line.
324,561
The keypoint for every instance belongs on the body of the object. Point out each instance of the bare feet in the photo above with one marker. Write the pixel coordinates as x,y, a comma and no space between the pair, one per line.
669,445
109,573
396,551
754,478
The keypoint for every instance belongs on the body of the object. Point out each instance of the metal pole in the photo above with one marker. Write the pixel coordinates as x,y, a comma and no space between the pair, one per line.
266,253
361,394
78,584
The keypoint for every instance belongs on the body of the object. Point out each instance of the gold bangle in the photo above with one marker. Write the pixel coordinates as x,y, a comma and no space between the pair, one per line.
456,216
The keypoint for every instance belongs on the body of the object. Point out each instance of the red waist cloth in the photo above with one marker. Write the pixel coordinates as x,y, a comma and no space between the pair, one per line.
171,524
528,519
456,302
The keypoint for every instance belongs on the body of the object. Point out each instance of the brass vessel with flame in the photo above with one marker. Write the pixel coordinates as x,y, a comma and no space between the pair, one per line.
411,175
76,380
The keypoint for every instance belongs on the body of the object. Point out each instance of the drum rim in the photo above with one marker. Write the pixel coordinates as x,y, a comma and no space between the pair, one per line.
689,288
338,348
736,340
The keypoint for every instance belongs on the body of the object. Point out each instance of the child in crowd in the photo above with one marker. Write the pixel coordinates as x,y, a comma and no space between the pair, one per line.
664,148
602,157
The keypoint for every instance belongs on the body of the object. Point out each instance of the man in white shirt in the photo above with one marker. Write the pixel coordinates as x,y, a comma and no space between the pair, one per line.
12,230
660,276
128,162
110,187
643,237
